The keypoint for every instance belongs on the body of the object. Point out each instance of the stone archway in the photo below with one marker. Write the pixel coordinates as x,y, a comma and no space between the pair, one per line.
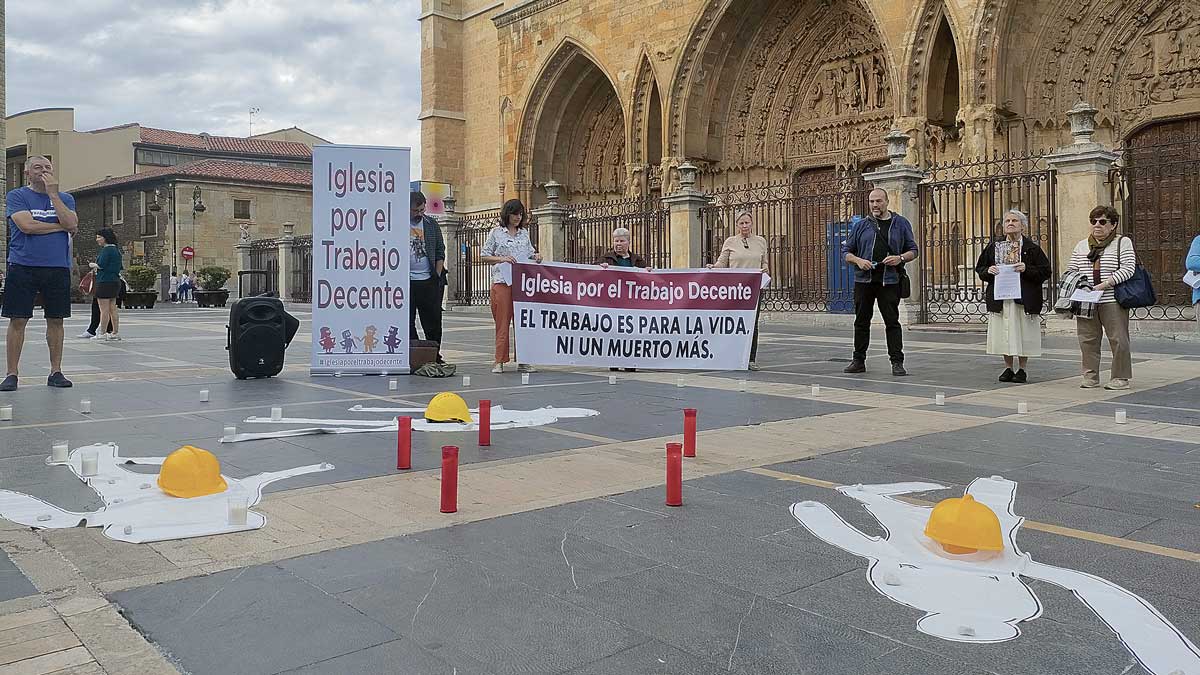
780,85
645,172
572,130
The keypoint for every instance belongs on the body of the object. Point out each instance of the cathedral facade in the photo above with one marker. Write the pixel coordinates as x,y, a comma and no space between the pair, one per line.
608,97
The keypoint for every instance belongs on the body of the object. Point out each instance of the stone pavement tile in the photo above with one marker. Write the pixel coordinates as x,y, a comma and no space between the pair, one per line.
254,620
1172,415
1087,518
954,407
1145,482
115,645
905,660
377,563
1184,394
1153,506
654,658
479,621
103,559
729,626
397,656
13,584
1170,533
728,513
54,662
842,470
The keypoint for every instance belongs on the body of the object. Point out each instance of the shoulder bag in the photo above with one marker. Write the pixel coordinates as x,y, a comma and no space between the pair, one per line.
1137,291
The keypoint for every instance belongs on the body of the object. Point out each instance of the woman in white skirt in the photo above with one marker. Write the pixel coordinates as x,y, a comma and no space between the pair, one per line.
1015,326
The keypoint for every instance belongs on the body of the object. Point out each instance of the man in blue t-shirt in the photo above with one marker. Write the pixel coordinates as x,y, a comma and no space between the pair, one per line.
41,222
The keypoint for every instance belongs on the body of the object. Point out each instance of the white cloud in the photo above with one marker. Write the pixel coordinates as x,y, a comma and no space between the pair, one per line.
346,70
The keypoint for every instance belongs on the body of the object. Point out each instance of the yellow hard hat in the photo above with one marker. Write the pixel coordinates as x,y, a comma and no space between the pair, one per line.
448,407
963,525
191,472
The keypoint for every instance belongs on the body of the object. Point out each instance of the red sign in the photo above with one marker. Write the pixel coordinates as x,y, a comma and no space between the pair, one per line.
188,253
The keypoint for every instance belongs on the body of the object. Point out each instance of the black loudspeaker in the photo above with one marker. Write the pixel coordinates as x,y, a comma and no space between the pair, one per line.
259,333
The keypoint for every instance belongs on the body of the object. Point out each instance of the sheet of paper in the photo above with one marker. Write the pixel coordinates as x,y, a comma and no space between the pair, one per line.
1192,279
506,273
766,280
1082,295
1008,283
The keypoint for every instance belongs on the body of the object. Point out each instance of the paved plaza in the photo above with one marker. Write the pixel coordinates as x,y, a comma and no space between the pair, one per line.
562,557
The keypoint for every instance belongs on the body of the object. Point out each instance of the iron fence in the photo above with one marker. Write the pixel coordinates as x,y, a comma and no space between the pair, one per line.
962,206
302,251
474,285
1157,189
264,255
804,221
589,229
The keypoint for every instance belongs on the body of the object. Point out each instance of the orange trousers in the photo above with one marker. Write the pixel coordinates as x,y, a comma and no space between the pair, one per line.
502,314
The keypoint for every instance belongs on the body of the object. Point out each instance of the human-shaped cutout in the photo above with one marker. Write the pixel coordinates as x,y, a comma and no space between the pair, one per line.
348,341
369,340
980,597
392,339
327,342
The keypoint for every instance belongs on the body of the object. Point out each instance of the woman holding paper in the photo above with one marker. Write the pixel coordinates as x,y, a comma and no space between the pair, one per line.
745,250
1107,259
508,242
1014,269
1193,265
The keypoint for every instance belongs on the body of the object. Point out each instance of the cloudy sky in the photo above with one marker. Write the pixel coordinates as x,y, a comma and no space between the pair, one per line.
345,70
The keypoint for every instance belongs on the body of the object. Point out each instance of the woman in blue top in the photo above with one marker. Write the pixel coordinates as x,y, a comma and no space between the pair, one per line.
1193,265
108,281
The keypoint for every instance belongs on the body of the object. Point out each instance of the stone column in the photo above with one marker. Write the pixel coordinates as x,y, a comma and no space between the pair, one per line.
900,180
1082,169
687,231
243,256
451,224
551,224
283,249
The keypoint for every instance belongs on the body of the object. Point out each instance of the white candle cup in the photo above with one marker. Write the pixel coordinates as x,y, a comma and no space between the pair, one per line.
60,451
204,396
393,385
239,507
524,378
1022,407
466,380
1121,416
85,407
612,379
6,413
89,463
229,432
276,414
939,399
742,386
816,390
679,382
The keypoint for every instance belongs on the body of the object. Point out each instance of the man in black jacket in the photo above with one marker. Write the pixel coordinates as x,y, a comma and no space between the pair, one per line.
426,272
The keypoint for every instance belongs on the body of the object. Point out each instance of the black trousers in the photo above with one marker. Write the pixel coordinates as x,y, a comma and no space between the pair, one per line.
425,299
754,341
96,319
888,297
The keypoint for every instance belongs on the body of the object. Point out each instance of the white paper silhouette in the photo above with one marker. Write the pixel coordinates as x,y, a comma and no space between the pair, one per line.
980,597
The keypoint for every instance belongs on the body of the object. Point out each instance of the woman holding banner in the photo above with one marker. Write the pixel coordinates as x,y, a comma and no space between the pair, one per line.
745,250
508,242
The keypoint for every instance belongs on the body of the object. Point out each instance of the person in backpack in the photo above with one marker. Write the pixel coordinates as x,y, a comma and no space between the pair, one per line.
1107,259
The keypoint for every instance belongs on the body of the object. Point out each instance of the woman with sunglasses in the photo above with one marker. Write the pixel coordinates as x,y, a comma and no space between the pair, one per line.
1108,259
745,250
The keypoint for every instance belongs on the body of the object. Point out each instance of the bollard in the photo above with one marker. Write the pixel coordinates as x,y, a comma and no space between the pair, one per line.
449,479
689,432
485,423
674,474
403,443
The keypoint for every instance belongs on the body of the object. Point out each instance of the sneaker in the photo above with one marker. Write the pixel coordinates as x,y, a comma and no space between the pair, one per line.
898,369
525,368
629,370
613,370
86,335
116,337
1117,383
1007,375
1020,377
1089,384
9,383
856,366
57,380
754,367
498,368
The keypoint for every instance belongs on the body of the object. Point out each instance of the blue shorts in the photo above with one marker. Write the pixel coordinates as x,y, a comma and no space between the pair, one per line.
23,284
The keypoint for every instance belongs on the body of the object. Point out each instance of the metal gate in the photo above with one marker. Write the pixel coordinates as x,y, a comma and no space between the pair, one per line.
302,269
264,255
962,207
589,229
1157,189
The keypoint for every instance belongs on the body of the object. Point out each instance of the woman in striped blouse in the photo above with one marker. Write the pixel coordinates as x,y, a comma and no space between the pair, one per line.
1107,259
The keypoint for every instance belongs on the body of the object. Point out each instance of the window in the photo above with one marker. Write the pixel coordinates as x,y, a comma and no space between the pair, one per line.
118,209
148,221
241,209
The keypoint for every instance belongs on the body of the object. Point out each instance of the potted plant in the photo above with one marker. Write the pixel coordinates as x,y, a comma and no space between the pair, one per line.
140,279
212,283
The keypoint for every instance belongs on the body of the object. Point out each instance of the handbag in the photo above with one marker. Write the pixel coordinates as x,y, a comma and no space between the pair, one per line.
88,283
1138,290
905,282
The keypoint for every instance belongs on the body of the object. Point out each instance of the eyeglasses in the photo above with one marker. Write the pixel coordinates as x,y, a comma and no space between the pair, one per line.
1099,221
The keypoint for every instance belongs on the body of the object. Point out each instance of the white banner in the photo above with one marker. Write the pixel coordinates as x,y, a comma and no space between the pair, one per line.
360,259
576,315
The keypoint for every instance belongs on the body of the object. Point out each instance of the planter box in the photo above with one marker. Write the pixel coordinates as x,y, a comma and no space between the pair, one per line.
142,300
211,298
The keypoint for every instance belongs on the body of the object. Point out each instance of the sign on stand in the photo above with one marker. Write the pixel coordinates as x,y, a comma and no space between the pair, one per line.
360,260
187,253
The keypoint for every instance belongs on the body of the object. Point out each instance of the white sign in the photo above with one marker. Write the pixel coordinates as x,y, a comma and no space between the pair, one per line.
1192,279
1084,295
1008,283
360,256
577,315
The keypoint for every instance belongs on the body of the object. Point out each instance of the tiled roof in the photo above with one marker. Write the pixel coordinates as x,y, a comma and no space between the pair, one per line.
225,144
213,169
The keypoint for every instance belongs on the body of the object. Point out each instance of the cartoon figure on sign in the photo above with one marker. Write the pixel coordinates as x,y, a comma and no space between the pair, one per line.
369,340
348,341
960,564
327,342
392,339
